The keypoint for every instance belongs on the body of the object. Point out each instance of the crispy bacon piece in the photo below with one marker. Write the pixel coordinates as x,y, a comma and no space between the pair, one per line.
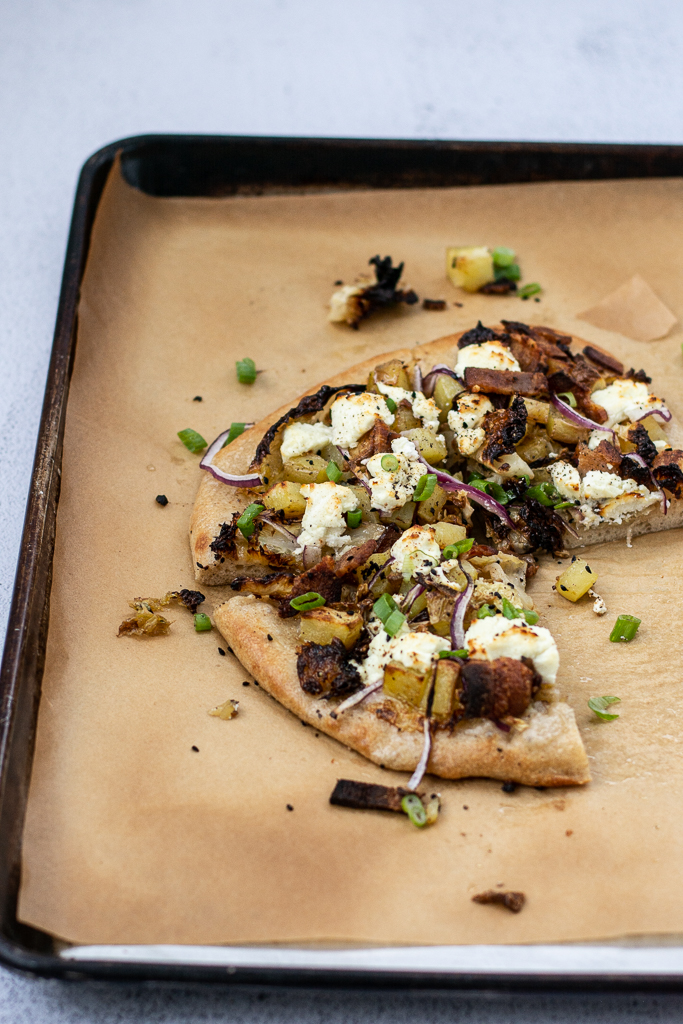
604,359
351,559
322,579
504,429
605,458
506,382
367,796
378,439
498,688
502,287
578,377
667,470
325,669
639,375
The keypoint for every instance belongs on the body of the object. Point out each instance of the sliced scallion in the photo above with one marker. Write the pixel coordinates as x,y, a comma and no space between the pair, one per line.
509,610
306,602
202,622
415,809
463,653
486,611
568,397
394,622
600,704
235,430
192,440
246,523
246,370
531,617
425,487
384,606
334,473
389,463
502,256
354,519
624,629
529,289
391,403
461,547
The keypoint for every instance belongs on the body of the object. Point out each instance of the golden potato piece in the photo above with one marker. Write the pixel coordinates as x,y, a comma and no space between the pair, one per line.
286,497
322,625
407,684
431,446
576,580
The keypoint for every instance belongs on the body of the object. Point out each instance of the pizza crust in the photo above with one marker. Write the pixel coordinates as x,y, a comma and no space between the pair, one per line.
547,753
216,502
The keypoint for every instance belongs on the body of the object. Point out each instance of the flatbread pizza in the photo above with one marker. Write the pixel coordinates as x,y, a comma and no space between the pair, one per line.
378,537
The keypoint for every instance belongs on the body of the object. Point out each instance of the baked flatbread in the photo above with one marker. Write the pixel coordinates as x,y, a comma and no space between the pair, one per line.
408,635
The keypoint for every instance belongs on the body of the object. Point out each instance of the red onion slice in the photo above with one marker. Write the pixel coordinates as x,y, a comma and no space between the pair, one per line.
449,483
378,571
640,461
356,698
311,555
417,378
429,382
458,616
246,480
411,597
576,418
268,516
662,413
416,777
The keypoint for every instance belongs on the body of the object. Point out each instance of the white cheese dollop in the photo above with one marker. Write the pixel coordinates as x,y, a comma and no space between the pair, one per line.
498,637
466,421
341,307
390,489
353,415
323,521
596,436
424,408
493,355
626,400
567,480
605,496
419,544
412,650
300,438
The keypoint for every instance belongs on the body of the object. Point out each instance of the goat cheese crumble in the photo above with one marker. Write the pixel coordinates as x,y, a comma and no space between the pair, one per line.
424,408
498,637
323,521
390,489
412,650
626,400
419,545
493,355
604,496
300,438
353,415
466,421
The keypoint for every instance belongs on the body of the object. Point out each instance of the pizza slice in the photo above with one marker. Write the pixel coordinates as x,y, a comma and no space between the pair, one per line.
378,537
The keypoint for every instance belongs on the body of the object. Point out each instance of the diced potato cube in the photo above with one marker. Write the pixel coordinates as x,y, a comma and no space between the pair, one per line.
535,445
449,533
576,580
445,698
404,419
407,684
470,267
393,373
401,517
445,390
429,510
322,625
562,430
431,446
286,497
381,582
537,412
364,503
440,608
654,429
306,469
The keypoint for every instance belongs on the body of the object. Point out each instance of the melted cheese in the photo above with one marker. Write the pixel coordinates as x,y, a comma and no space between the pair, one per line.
390,489
493,355
300,438
498,637
323,521
626,400
353,415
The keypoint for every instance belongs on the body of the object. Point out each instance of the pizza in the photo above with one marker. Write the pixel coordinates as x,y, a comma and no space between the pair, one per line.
378,536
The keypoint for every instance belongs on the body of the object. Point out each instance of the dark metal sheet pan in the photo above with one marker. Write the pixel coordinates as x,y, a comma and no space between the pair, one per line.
183,165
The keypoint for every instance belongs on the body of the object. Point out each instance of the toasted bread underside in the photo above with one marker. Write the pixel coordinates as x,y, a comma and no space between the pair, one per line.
549,752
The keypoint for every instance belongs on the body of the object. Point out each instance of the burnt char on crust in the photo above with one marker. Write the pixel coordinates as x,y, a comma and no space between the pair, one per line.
224,543
321,579
667,470
495,689
540,525
504,429
309,404
506,382
325,669
645,446
479,334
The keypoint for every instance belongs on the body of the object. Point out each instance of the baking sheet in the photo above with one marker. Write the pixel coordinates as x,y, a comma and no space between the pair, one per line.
134,837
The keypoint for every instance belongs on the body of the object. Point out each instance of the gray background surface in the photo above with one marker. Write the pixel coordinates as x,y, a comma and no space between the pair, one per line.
76,74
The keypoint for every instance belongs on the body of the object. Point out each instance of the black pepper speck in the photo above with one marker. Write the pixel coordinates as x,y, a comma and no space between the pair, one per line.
289,807
221,652
245,683
197,398
196,750
161,499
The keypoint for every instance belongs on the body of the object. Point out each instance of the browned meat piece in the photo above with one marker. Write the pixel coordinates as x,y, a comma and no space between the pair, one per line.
514,901
498,287
367,796
506,382
378,439
504,429
547,341
528,353
602,358
605,458
495,689
479,334
325,669
354,557
645,446
434,304
578,377
480,550
275,584
322,579
667,470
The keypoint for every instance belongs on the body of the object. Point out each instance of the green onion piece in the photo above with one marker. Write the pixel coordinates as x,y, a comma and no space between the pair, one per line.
486,611
192,440
246,523
463,653
481,485
394,622
599,704
235,430
461,547
531,617
568,398
509,273
502,256
333,471
564,504
509,610
528,290
354,519
625,628
415,809
391,403
544,493
389,463
425,487
305,602
384,606
246,370
498,492
202,622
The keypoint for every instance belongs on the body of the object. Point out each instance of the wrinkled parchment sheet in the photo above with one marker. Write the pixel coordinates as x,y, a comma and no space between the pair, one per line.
132,835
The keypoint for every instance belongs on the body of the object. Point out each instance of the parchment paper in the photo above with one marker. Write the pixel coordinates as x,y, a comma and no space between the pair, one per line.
132,836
